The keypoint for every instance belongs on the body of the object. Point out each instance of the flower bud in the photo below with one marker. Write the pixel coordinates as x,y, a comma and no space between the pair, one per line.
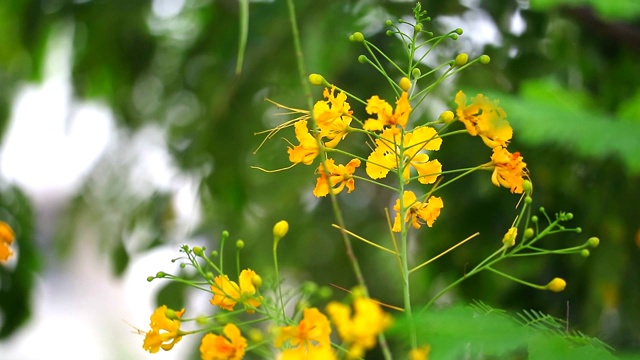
534,219
484,59
585,253
418,27
209,275
528,199
462,59
172,314
280,229
198,251
527,186
362,59
160,274
556,285
415,73
388,23
454,36
316,79
459,31
593,242
405,84
447,116
214,253
357,37
528,233
509,238
239,244
256,280
256,335
150,278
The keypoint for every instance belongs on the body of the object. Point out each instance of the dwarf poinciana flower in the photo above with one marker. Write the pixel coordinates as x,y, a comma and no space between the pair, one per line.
341,176
165,330
227,293
333,117
309,339
417,212
386,116
485,118
307,150
230,346
509,169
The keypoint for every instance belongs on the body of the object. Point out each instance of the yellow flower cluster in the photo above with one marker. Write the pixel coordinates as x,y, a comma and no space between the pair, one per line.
486,119
227,293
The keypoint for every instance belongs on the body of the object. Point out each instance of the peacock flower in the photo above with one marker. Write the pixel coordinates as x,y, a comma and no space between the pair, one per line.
165,330
309,339
417,212
230,346
307,150
227,293
509,169
386,116
485,118
341,176
333,117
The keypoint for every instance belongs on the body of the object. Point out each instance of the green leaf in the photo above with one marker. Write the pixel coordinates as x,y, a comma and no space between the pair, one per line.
616,9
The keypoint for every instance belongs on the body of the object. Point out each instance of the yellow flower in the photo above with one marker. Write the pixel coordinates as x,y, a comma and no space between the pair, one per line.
417,211
231,346
310,339
420,353
387,117
165,330
227,293
340,176
307,150
280,229
360,330
6,239
485,118
386,155
333,117
509,169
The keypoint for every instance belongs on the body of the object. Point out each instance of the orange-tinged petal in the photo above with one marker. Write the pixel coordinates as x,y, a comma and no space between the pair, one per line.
307,150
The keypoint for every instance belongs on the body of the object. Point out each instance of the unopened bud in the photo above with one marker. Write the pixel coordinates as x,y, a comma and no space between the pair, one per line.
484,59
362,59
280,229
415,73
459,31
357,37
585,253
198,250
256,280
462,59
556,285
447,116
239,244
405,84
593,242
418,27
528,233
509,238
527,186
316,79
161,274
388,23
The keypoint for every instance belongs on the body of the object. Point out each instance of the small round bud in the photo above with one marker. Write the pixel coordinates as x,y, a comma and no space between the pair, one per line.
280,229
388,23
556,285
325,292
527,186
225,234
172,314
484,59
183,265
578,230
541,209
418,27
405,84
256,335
316,79
358,37
462,59
209,275
239,244
528,199
161,274
584,253
459,31
362,59
454,36
415,73
569,216
389,32
256,280
202,320
150,278
214,253
447,116
528,233
593,242
309,287
534,219
198,250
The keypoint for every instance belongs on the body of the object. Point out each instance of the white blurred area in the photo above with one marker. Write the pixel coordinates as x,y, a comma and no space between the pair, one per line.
81,310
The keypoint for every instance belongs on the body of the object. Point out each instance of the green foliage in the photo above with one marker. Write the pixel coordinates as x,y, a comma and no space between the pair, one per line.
478,331
619,9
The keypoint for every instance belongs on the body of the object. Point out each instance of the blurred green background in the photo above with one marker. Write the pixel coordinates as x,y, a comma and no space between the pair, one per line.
566,72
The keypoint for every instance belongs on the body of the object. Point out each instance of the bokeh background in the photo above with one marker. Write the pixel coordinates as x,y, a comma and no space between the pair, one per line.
125,132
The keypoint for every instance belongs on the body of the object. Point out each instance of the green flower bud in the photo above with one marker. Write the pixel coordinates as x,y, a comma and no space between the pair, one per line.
390,33
534,219
161,274
454,36
462,59
316,79
388,23
358,37
584,253
202,320
309,287
325,292
484,59
214,253
239,244
528,233
362,59
569,216
459,31
527,186
578,230
593,242
198,251
528,199
415,73
209,275
150,278
418,27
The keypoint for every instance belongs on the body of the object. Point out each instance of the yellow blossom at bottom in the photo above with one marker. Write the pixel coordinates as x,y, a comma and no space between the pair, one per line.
308,340
231,346
165,330
360,330
420,353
